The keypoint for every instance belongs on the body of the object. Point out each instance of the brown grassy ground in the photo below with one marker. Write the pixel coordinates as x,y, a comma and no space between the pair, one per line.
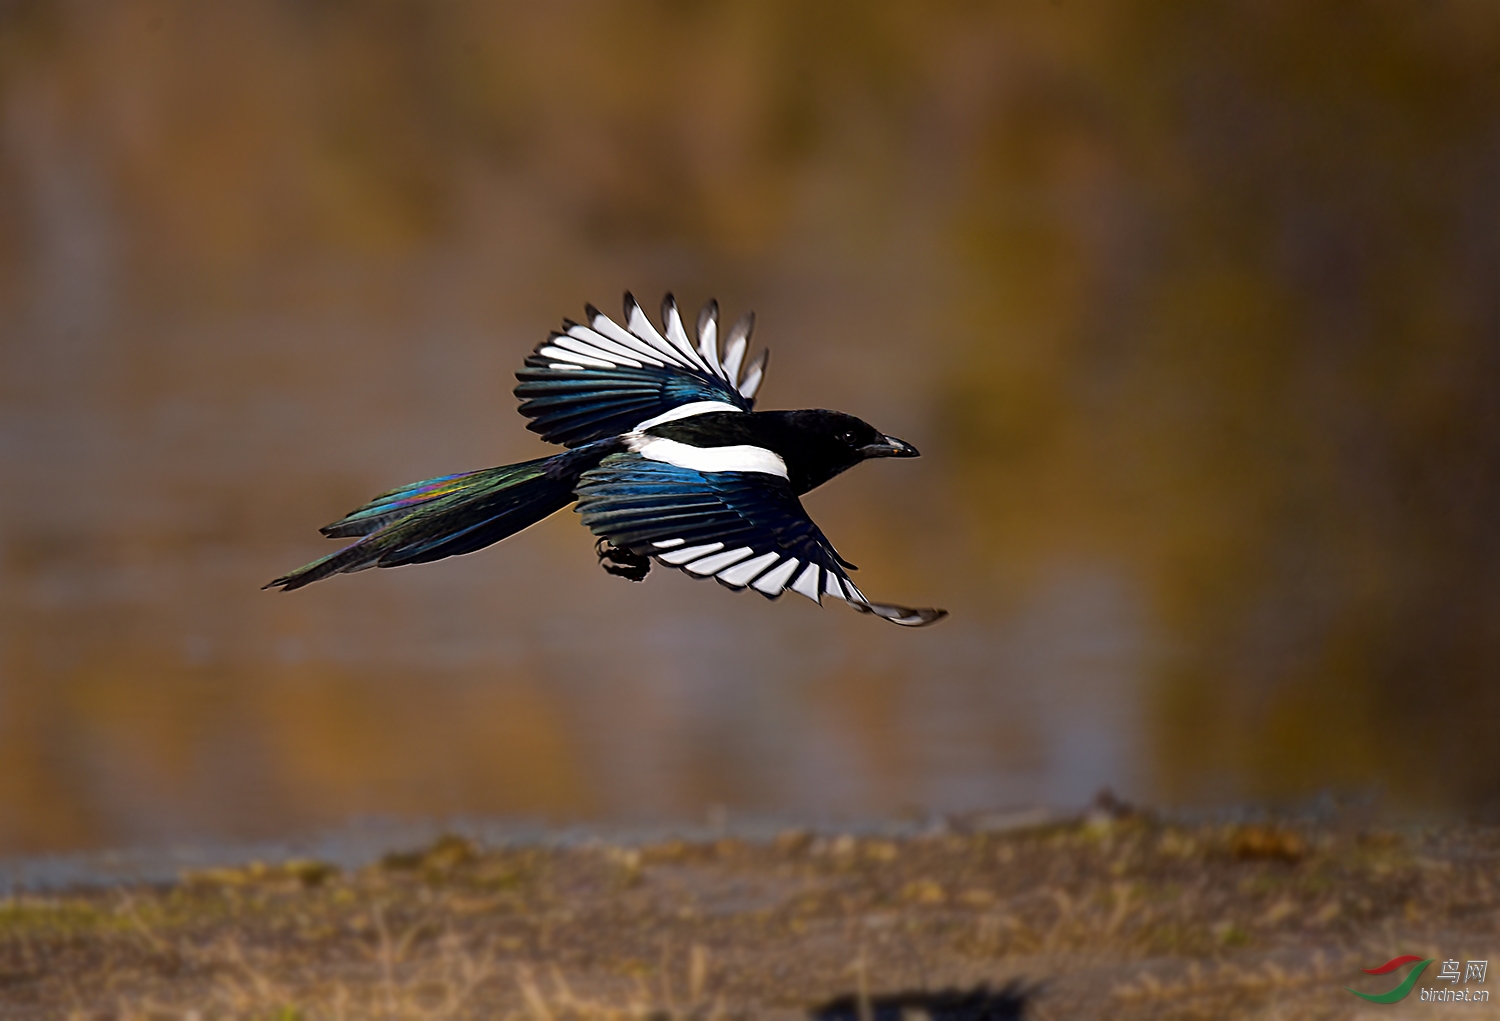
1107,917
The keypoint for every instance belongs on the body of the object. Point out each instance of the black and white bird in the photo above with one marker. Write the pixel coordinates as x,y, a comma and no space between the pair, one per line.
668,462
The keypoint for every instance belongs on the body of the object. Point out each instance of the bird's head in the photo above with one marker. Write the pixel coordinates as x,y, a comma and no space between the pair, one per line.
825,443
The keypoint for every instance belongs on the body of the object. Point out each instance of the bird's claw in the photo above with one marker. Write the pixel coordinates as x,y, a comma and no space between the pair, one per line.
621,561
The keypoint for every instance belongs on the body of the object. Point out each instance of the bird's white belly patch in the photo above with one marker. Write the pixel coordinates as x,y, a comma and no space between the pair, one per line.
739,458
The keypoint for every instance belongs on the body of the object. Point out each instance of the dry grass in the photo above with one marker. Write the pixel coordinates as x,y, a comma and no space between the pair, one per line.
1119,917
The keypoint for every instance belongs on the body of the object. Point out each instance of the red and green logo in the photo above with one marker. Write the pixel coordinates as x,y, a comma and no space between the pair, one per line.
1401,991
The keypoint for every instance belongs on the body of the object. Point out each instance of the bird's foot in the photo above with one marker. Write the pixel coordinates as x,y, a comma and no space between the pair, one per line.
621,561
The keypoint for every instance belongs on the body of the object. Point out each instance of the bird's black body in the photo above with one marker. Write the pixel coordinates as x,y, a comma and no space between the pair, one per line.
668,463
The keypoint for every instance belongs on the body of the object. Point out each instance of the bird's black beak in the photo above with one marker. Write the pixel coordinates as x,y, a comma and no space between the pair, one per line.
889,446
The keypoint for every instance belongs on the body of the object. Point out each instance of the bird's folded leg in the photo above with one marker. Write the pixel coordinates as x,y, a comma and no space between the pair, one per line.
619,560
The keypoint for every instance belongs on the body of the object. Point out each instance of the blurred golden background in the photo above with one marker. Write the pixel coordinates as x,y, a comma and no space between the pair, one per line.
1194,311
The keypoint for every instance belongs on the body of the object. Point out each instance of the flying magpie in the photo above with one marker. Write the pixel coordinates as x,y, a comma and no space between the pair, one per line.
668,462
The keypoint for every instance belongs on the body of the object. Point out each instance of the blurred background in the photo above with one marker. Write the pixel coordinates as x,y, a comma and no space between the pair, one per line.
1194,311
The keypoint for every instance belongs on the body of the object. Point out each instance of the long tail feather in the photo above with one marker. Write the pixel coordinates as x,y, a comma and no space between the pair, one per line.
388,507
445,517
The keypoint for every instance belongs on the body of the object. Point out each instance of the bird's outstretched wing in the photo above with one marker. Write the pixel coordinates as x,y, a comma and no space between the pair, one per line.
600,379
744,529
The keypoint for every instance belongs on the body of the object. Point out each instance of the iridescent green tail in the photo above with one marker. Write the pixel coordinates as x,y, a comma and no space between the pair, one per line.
446,516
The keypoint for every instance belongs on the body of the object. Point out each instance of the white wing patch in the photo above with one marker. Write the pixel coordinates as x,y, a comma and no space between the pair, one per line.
742,574
678,336
807,583
596,347
770,573
832,587
773,582
604,344
735,344
686,411
718,561
679,557
578,358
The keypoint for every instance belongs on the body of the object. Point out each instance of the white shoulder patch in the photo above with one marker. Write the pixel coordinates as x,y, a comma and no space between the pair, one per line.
737,458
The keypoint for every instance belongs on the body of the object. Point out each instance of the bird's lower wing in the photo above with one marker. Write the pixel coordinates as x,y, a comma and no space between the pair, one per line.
743,529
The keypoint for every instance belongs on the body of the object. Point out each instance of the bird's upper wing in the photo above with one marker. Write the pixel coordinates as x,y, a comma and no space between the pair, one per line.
598,380
740,528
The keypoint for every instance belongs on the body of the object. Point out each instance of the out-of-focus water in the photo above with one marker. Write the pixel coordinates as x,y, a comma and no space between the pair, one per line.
156,693
1193,321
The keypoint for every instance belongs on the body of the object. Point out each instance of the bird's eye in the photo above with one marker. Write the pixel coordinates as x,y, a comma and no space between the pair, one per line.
847,436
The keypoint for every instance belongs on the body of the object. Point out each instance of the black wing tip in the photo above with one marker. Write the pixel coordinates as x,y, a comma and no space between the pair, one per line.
593,313
743,326
630,303
919,617
708,313
906,616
